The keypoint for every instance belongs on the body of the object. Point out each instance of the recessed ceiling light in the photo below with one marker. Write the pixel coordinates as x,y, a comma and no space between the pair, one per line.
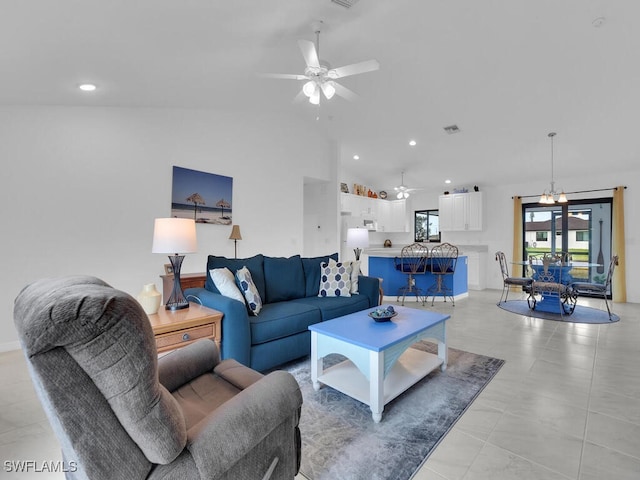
87,87
598,22
356,157
447,181
412,143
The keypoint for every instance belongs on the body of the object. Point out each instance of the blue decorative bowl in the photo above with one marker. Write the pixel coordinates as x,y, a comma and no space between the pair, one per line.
384,316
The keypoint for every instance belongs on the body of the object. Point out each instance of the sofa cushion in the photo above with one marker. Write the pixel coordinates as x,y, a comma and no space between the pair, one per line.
335,280
281,319
284,278
255,265
311,267
333,307
249,290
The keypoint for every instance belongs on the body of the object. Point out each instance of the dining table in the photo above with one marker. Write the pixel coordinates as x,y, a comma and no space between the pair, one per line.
562,274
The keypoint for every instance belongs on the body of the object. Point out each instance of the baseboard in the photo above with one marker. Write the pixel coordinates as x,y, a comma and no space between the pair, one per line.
10,346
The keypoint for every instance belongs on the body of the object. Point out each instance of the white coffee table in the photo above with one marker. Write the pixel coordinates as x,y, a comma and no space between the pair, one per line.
380,365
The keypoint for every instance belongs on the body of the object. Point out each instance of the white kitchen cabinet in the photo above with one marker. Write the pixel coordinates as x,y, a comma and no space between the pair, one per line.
460,212
384,216
357,205
389,215
392,216
399,216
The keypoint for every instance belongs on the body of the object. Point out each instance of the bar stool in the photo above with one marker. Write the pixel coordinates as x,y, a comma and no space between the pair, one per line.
444,258
412,261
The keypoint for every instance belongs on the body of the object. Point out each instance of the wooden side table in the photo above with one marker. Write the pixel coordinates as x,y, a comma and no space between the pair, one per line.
187,280
175,329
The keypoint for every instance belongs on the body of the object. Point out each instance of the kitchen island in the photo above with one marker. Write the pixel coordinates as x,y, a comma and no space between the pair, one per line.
382,264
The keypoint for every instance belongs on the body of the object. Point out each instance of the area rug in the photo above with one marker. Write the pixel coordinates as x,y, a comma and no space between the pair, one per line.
581,314
341,441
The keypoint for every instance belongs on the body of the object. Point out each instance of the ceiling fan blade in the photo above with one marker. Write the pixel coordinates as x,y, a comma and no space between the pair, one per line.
344,92
286,76
309,53
354,69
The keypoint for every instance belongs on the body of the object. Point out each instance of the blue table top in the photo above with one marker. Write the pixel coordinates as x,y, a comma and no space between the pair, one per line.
362,330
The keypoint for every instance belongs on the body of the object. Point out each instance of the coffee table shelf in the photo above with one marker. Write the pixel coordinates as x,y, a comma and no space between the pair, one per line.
412,366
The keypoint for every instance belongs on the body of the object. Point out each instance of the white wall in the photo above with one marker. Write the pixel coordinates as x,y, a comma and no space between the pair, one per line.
83,185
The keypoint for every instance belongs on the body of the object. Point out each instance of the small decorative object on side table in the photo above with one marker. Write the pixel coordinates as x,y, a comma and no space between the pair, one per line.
177,328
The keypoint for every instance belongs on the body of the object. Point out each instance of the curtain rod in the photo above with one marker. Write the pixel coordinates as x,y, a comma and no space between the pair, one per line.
579,191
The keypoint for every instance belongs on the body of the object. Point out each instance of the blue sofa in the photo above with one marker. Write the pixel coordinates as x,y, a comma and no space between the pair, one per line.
289,291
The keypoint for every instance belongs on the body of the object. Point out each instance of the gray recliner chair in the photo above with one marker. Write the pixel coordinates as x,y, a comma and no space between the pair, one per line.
121,413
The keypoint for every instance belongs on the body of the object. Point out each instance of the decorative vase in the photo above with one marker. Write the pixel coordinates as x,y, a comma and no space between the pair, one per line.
150,298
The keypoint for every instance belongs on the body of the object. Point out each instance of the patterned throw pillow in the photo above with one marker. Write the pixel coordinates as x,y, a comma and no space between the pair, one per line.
335,280
249,290
225,283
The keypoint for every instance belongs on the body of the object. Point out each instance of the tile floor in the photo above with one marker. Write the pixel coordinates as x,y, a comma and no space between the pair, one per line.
566,405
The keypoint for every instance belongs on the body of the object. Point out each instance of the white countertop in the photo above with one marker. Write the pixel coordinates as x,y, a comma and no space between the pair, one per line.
380,251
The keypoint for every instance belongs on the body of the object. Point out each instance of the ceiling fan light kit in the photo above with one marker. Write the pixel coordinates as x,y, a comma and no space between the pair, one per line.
403,190
319,75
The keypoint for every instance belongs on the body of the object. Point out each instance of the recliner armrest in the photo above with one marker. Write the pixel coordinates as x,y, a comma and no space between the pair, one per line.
237,374
225,436
183,365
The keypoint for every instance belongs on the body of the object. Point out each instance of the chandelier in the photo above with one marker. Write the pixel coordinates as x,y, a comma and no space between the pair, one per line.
550,198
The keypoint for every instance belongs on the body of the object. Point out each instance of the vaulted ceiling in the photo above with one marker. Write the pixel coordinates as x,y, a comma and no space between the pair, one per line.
506,72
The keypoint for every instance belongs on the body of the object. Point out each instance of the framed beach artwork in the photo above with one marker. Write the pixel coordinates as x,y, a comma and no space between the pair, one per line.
205,197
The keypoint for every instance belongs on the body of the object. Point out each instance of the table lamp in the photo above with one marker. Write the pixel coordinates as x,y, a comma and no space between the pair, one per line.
177,236
235,236
357,238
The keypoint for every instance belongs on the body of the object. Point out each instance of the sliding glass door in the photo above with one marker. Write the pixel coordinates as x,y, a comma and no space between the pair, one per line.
580,228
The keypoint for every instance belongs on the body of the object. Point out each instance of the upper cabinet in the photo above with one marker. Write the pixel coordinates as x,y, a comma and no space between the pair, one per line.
388,215
392,216
460,212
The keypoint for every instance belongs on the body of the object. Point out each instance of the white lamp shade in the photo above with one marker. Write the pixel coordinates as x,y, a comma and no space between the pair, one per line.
358,238
174,235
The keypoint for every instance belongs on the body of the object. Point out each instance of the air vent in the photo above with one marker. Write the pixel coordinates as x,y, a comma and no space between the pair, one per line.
345,3
451,129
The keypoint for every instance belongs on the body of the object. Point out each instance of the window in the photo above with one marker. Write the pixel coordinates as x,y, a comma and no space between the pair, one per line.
581,228
427,226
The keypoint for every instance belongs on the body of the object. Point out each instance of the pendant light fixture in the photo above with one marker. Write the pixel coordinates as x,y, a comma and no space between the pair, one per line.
549,198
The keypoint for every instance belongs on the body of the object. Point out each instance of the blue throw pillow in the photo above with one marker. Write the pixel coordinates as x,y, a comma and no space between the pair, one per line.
284,278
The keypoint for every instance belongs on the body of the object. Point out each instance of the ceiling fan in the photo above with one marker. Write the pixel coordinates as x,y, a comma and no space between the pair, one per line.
320,76
403,190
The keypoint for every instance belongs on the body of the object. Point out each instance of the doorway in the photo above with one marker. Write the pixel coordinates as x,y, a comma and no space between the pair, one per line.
580,228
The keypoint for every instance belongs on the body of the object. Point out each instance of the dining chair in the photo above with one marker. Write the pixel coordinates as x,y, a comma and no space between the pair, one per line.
412,262
547,283
597,289
443,261
508,281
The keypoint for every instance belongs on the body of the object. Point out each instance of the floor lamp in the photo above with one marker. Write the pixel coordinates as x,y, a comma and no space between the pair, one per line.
177,236
235,236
